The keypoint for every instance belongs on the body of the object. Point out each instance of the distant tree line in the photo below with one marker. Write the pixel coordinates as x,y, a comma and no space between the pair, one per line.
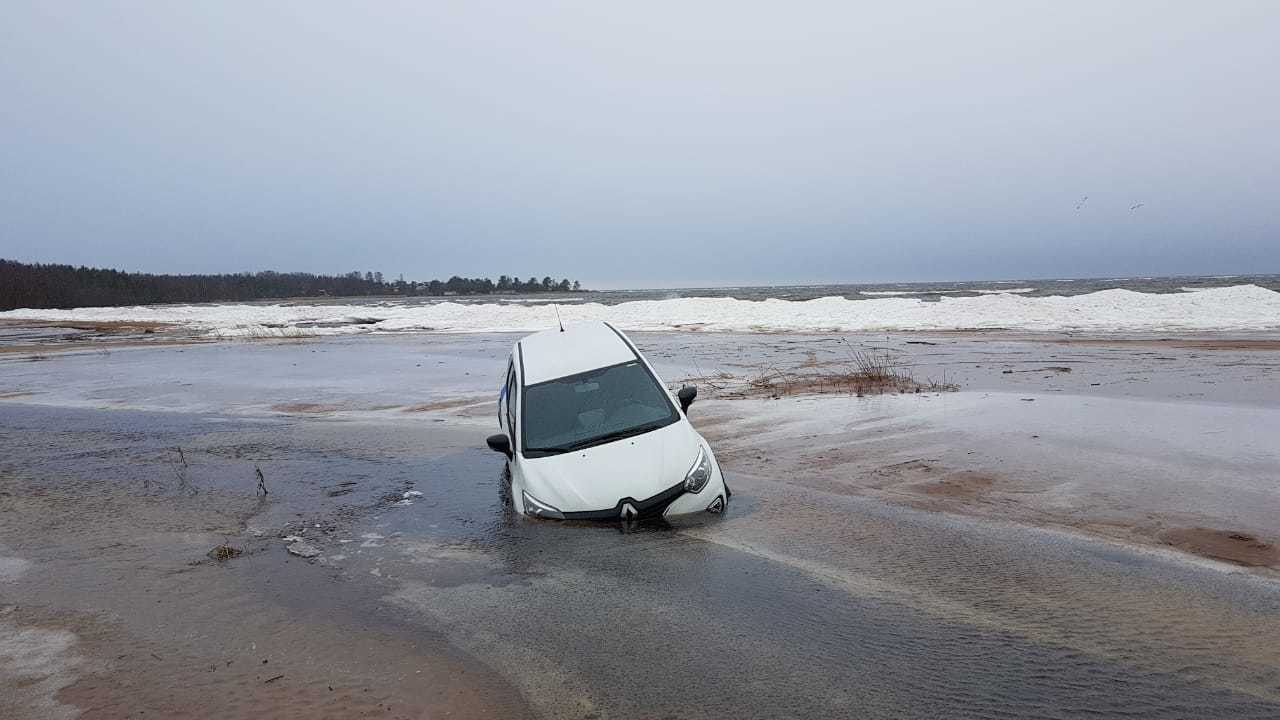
24,285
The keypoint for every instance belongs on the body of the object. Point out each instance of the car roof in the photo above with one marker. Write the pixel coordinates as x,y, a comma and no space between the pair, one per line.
578,348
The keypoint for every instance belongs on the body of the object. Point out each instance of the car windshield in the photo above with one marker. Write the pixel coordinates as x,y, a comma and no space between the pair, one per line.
593,407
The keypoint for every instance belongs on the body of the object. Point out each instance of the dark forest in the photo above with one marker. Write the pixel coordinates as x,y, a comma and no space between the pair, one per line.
24,285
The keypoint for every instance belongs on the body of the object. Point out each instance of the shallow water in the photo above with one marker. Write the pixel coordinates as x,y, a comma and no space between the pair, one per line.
810,605
796,603
805,600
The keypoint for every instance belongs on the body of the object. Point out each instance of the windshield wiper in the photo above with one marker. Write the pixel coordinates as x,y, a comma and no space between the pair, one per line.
599,439
550,450
618,435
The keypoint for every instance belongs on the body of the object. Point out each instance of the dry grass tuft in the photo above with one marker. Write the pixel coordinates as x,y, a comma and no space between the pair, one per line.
267,332
863,372
222,553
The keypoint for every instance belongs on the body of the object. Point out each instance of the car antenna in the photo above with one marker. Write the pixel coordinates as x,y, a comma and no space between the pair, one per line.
557,309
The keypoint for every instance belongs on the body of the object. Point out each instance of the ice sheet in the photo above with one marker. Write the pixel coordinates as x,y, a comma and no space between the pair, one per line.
1242,307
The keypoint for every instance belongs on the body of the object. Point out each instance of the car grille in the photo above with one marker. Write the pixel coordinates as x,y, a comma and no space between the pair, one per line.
631,509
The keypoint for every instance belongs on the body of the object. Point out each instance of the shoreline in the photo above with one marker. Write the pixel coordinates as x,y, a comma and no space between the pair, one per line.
1244,308
24,336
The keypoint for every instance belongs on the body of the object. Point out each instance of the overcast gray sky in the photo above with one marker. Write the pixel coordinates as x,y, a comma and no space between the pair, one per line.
644,144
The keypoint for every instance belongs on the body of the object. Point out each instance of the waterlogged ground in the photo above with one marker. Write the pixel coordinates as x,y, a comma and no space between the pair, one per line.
1042,543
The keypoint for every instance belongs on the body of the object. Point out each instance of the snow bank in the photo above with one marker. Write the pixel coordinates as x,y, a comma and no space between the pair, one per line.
898,293
1243,307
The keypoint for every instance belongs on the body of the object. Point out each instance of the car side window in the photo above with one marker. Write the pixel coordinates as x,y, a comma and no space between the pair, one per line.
504,396
511,405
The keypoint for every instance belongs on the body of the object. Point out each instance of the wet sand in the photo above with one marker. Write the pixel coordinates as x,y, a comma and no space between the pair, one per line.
1234,343
1233,546
111,534
1040,543
37,340
1170,448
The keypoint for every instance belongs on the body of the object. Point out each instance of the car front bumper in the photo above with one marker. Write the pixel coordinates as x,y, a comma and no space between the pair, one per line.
673,501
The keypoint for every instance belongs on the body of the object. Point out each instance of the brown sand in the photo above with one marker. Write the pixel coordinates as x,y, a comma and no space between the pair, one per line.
444,404
104,326
960,485
1241,548
1181,343
26,348
106,335
307,408
62,346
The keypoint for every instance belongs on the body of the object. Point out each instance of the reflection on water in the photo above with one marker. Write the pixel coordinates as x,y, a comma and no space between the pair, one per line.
759,611
795,603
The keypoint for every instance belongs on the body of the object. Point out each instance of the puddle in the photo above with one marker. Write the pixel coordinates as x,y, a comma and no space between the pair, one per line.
11,568
35,664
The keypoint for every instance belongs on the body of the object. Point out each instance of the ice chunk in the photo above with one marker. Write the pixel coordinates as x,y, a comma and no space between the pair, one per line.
1241,307
303,549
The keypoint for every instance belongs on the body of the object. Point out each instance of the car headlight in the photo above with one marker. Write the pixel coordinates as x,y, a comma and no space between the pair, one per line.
536,508
700,473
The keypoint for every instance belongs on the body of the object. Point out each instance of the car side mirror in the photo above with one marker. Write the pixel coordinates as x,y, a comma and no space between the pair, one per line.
687,395
500,443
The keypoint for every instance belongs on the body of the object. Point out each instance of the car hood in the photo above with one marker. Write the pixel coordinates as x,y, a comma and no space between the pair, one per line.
596,478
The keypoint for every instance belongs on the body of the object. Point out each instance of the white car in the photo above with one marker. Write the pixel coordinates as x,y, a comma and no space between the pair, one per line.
591,433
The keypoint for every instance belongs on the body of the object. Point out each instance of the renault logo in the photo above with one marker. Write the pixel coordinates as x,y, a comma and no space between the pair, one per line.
628,512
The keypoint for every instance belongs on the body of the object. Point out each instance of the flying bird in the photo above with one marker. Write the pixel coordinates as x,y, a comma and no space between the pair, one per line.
1135,207
1083,200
